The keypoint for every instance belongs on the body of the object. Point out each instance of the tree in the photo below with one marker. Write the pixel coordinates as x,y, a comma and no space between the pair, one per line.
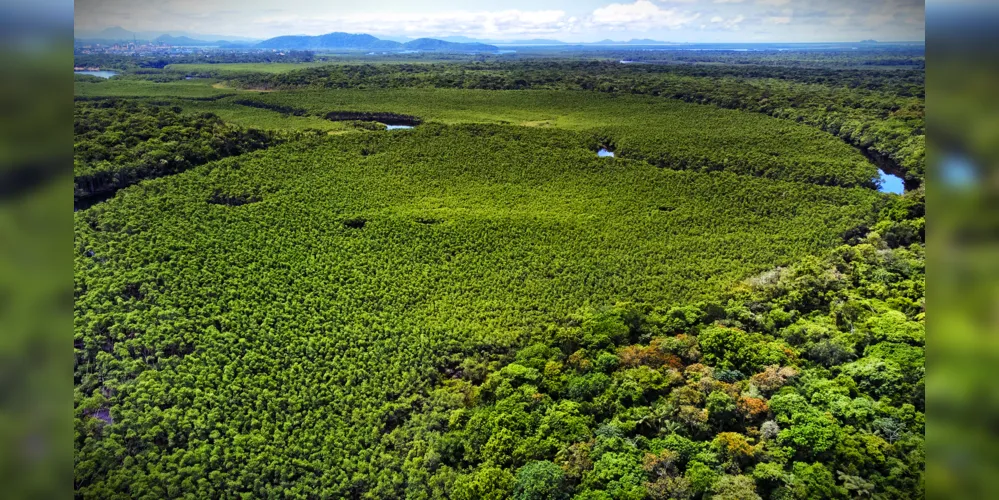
541,480
814,481
734,447
486,483
701,477
721,409
856,484
769,429
735,488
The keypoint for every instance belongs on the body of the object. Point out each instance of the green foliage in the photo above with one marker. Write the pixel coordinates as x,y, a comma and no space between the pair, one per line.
734,488
470,310
733,348
702,478
540,481
486,483
886,118
256,299
740,142
119,143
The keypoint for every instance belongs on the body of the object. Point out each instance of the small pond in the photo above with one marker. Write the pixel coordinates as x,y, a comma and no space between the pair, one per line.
958,170
891,183
397,127
98,74
605,153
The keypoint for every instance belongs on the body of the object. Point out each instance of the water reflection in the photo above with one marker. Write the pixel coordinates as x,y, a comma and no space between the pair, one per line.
98,74
957,170
891,184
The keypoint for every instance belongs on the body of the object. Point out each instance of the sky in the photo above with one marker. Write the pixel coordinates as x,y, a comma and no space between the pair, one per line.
698,21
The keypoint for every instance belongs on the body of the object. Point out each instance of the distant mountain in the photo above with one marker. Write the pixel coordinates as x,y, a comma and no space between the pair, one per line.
868,41
116,33
400,38
534,41
645,41
349,41
188,41
441,45
329,41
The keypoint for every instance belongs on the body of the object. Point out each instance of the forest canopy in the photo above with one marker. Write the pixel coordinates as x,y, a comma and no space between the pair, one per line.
282,298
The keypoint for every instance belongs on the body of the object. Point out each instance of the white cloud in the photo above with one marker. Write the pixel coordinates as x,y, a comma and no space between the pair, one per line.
482,23
642,15
730,24
810,20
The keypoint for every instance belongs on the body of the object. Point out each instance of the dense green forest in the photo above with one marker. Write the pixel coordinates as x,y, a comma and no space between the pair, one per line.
878,111
118,143
740,142
881,112
480,306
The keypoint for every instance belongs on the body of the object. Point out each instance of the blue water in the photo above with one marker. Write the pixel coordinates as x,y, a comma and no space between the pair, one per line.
98,74
958,170
891,184
604,153
397,127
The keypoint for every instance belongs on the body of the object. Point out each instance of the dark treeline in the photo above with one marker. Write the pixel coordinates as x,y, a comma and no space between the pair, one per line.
373,116
286,110
515,75
901,57
135,63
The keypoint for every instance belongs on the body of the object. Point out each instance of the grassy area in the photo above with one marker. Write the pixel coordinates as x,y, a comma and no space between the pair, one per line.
246,116
148,88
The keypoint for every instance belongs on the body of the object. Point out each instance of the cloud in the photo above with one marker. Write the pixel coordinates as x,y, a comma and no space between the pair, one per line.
200,15
499,23
810,19
731,24
642,15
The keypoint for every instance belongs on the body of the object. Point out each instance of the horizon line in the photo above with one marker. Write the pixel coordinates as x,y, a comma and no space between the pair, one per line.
493,40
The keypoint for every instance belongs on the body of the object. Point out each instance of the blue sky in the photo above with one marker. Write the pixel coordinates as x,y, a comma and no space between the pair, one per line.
575,20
